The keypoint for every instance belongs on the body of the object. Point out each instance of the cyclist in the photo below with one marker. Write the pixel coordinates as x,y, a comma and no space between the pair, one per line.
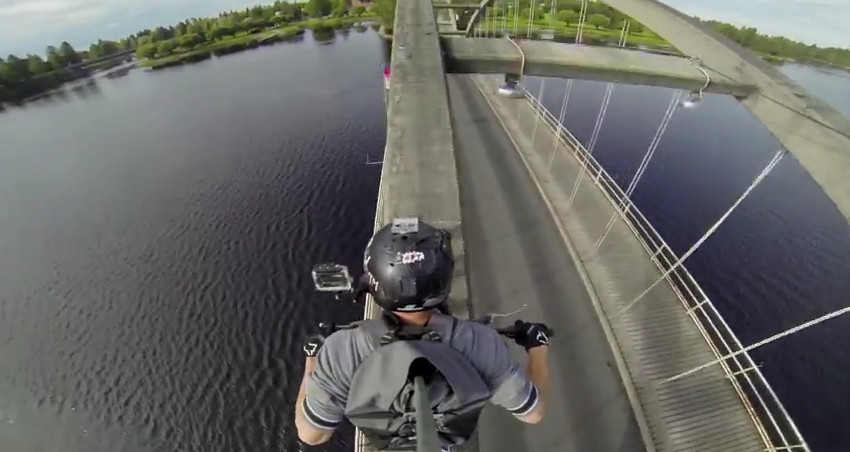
409,275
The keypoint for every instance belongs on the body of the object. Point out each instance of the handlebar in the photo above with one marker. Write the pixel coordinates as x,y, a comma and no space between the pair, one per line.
328,329
336,279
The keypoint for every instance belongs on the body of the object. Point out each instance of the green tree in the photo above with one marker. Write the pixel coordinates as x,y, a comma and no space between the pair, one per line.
567,16
94,52
15,71
53,57
359,10
257,12
158,34
164,48
319,8
747,36
385,9
36,65
636,27
189,41
68,54
599,20
341,7
147,50
568,5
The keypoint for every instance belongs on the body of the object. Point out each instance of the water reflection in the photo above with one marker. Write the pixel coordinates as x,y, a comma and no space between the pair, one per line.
324,35
87,89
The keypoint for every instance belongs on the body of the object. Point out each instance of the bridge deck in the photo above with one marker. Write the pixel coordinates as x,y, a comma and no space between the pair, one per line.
515,256
656,339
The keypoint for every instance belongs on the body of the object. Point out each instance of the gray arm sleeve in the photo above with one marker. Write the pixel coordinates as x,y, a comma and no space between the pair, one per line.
327,387
511,387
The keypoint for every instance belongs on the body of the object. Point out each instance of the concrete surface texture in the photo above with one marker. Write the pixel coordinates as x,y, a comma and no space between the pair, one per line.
553,59
419,177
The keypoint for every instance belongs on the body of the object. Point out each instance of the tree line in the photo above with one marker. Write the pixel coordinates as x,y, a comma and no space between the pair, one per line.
192,33
778,46
24,77
599,14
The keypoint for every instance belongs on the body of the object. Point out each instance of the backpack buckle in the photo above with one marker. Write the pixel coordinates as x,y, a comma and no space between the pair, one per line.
407,429
408,333
439,420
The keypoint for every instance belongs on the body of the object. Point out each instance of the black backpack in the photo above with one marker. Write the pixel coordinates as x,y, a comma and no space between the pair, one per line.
382,398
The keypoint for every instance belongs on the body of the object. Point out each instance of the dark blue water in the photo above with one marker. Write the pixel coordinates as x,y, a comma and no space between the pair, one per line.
156,237
156,233
779,260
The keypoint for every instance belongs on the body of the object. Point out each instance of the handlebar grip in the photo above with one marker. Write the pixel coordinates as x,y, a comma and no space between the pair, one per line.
512,331
329,328
509,332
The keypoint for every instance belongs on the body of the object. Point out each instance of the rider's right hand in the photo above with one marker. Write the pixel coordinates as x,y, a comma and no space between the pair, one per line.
530,335
360,288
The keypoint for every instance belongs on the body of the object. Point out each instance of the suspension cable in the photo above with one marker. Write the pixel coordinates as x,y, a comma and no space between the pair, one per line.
644,163
539,108
772,164
758,344
516,16
530,27
552,16
504,16
567,89
609,87
492,13
581,17
624,33
653,146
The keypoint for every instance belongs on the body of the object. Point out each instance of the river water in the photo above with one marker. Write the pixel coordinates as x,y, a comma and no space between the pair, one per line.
157,231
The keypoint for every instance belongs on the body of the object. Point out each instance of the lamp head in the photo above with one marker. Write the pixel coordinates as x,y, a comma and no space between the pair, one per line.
692,100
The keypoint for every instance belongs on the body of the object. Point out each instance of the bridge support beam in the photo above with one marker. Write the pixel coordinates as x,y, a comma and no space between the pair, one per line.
816,134
552,59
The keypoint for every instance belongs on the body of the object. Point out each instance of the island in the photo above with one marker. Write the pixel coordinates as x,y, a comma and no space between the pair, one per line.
198,39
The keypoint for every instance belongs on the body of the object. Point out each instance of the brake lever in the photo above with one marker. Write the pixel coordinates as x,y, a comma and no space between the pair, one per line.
490,318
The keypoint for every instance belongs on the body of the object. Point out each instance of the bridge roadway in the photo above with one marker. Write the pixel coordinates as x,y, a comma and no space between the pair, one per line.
515,255
450,159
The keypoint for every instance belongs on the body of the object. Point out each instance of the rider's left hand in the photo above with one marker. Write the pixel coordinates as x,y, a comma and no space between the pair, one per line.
313,345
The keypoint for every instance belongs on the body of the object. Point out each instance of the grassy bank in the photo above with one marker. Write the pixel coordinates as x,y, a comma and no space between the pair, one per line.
245,41
590,34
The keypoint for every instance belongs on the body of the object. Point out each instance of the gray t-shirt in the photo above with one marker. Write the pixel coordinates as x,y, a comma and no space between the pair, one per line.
345,350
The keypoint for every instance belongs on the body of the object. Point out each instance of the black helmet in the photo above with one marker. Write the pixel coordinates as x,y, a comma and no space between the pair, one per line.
409,266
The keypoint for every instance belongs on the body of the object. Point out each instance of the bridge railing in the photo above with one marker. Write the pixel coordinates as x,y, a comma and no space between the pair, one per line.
769,415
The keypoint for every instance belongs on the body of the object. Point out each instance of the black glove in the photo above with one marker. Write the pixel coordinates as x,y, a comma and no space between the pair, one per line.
531,335
313,344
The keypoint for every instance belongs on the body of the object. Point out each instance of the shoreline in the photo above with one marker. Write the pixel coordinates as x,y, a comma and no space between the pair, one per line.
252,41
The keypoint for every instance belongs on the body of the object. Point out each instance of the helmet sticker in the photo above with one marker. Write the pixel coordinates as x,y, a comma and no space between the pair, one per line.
411,257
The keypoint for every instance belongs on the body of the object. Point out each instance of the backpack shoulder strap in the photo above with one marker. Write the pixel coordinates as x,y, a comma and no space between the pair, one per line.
388,329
